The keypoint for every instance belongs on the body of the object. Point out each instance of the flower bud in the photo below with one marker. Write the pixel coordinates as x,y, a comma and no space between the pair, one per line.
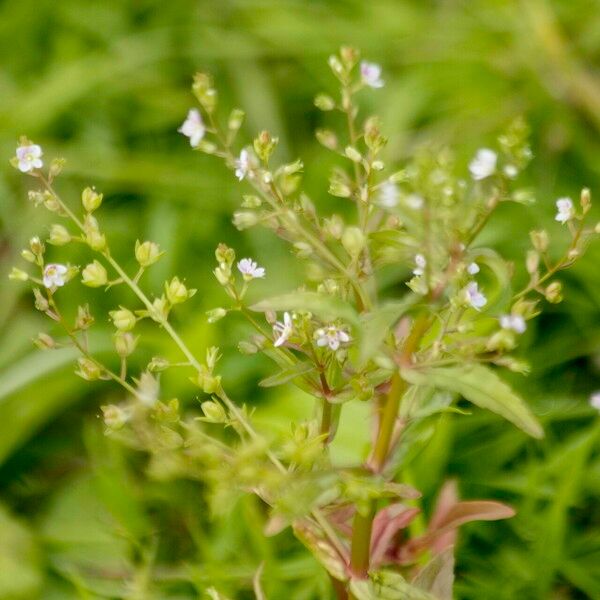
51,202
204,91
349,56
18,275
28,255
88,369
207,146
59,236
586,200
225,254
123,319
251,201
399,176
236,118
84,318
114,416
158,364
177,292
125,343
354,241
553,292
353,154
209,383
36,245
324,102
302,249
502,340
532,262
160,309
378,165
335,65
44,342
148,389
334,226
56,167
41,302
244,219
94,275
216,314
597,228
327,138
90,199
339,189
167,413
540,240
264,145
147,253
246,347
96,240
213,412
223,274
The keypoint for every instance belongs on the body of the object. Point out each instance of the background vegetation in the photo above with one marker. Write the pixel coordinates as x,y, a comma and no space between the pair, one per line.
105,83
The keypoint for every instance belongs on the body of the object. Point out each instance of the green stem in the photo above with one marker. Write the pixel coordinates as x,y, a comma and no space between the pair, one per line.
361,542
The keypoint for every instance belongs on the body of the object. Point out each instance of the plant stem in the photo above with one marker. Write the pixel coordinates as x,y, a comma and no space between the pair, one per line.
361,542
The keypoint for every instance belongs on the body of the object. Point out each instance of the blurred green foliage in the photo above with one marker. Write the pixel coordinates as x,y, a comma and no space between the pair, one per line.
105,83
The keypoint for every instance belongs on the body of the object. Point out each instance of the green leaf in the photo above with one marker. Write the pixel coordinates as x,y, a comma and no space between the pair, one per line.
437,576
387,585
326,307
376,325
288,374
481,386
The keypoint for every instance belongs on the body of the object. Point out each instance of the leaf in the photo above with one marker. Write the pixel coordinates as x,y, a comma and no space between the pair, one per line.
376,325
256,585
387,585
286,375
437,576
481,386
326,307
387,523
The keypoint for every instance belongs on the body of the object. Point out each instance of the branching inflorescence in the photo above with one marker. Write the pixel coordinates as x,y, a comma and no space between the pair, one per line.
411,352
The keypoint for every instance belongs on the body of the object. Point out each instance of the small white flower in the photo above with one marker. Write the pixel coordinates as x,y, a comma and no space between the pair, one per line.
249,269
54,275
595,400
371,74
474,297
243,164
514,322
484,164
331,336
511,171
282,331
29,158
193,127
415,201
421,263
389,195
565,210
473,268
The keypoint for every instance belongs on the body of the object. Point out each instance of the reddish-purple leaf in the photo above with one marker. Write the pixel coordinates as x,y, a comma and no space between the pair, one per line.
387,523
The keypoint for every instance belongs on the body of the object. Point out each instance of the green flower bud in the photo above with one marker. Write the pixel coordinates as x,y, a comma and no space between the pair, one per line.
158,364
115,417
18,275
553,292
88,369
354,241
264,145
123,319
303,249
41,302
597,228
51,203
59,236
209,383
28,255
204,91
147,253
353,154
236,118
90,199
56,167
94,275
324,102
223,274
225,254
148,389
540,240
125,343
36,245
349,56
44,342
213,412
251,201
160,309
216,314
335,65
586,200
244,219
327,138
96,240
84,318
246,347
167,413
177,292
532,262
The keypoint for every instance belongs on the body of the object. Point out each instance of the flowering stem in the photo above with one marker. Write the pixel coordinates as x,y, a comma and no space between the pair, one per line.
361,542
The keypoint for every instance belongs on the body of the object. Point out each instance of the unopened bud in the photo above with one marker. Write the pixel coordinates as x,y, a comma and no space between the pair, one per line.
532,262
90,199
125,343
36,245
349,56
553,292
114,416
59,236
327,138
147,253
223,274
208,382
302,249
94,275
28,255
213,412
88,369
41,302
18,275
586,200
236,118
353,240
335,65
160,309
84,318
216,314
225,254
353,154
264,145
158,364
44,342
324,102
244,219
177,292
123,319
540,240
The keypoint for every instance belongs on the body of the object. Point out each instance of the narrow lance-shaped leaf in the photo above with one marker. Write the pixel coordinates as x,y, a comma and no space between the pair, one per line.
481,386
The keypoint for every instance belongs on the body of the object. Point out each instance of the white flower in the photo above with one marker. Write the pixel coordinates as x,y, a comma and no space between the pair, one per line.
474,297
371,74
282,331
243,164
565,210
249,269
415,201
511,171
421,263
29,158
331,336
514,322
484,164
473,268
54,275
595,400
388,195
193,127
